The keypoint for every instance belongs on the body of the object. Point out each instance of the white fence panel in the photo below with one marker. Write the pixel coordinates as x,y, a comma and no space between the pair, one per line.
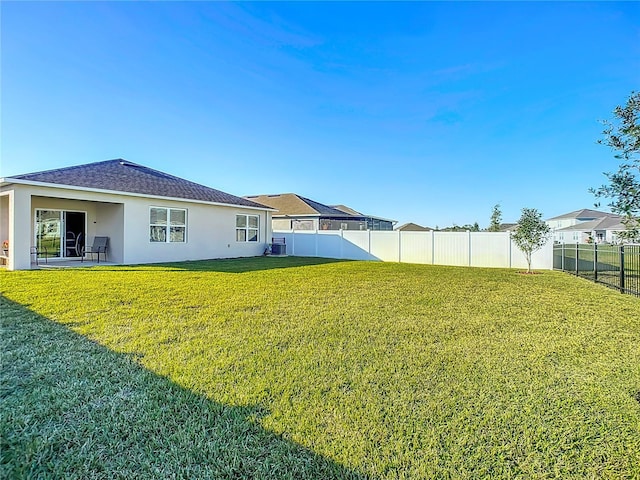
451,248
477,249
356,245
303,244
542,259
385,246
490,249
416,247
329,244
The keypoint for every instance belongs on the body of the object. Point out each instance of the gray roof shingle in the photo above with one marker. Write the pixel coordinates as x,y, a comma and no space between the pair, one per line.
123,176
294,204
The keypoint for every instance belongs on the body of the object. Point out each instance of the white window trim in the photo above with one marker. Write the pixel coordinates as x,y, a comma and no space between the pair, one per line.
247,228
168,225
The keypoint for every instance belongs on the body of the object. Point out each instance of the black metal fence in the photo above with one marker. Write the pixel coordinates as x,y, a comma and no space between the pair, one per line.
617,266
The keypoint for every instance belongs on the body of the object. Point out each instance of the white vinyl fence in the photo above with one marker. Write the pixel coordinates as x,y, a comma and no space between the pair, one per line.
474,249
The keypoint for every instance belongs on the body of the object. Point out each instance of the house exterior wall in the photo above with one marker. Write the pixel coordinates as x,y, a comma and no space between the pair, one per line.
211,233
211,229
562,223
4,218
569,236
579,236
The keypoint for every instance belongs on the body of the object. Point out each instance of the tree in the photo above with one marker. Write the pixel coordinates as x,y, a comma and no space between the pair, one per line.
496,219
623,136
531,233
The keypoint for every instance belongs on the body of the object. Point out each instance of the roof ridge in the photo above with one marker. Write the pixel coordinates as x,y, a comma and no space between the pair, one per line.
70,167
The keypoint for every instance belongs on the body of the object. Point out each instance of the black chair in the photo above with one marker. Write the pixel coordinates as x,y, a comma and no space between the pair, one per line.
70,244
100,245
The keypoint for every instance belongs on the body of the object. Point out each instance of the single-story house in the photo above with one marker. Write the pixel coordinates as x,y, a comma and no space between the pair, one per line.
148,216
413,227
295,212
586,226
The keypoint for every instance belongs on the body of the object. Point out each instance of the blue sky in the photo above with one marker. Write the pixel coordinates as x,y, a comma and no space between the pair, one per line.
426,112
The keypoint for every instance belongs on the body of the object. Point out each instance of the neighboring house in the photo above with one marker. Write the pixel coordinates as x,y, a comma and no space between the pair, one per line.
508,227
149,216
299,213
586,226
413,227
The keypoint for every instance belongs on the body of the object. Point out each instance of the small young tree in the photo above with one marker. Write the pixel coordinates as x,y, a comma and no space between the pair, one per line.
531,233
496,219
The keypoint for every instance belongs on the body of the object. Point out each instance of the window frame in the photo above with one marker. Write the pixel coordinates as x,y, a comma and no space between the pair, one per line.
247,228
168,226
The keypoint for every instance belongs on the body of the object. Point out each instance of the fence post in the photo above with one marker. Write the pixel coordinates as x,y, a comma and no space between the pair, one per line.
369,248
316,237
433,247
595,261
577,259
510,248
562,261
399,246
293,242
622,287
469,240
341,243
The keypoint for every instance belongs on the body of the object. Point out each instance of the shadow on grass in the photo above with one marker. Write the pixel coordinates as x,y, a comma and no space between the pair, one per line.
71,408
230,265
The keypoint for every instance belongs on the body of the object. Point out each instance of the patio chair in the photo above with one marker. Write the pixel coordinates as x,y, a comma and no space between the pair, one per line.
100,245
79,248
70,239
37,252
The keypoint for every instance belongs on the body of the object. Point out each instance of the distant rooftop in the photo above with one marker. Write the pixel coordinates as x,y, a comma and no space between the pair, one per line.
345,209
413,227
123,176
584,213
294,204
610,222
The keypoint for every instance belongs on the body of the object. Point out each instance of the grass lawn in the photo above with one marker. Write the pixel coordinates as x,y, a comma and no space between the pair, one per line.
308,368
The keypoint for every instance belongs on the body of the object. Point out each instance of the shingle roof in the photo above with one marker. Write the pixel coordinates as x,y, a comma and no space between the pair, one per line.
123,176
584,213
345,209
293,204
413,227
610,222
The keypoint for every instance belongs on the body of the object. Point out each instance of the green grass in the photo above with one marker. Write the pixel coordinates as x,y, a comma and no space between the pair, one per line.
304,368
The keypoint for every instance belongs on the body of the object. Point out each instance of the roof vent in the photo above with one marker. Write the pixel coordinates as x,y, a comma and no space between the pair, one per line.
127,164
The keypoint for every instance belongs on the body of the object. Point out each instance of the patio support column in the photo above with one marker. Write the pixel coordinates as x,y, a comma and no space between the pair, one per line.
20,221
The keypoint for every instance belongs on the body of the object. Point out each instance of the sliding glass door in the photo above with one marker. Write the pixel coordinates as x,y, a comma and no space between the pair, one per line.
49,232
60,233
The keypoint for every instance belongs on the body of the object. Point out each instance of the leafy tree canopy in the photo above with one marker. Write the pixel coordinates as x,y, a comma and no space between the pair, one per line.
496,219
623,136
531,234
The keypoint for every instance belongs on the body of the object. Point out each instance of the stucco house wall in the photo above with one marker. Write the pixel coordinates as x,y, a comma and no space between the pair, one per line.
124,218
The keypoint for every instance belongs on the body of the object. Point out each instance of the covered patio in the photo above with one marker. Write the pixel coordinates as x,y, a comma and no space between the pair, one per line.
45,231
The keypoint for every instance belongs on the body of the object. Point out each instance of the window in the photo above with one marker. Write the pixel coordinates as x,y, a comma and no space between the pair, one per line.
167,225
247,228
302,224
